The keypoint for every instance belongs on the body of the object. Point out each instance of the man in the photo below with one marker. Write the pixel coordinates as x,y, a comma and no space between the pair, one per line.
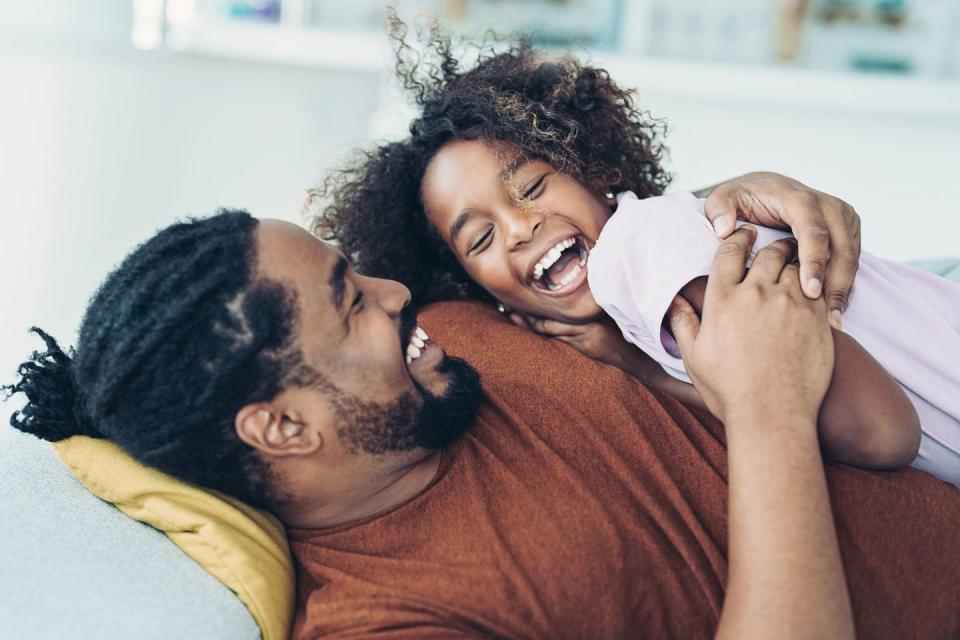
248,357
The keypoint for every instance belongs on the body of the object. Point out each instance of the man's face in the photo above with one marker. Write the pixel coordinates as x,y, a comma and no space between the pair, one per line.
390,389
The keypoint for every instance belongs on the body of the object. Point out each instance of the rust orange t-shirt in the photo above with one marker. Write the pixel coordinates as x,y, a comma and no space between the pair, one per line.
582,505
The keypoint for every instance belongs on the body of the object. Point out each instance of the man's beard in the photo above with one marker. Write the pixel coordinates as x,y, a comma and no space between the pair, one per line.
433,422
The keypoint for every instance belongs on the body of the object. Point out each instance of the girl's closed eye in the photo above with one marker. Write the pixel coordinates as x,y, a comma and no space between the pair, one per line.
534,188
481,242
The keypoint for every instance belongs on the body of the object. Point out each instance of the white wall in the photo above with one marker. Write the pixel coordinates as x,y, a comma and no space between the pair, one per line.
900,174
101,144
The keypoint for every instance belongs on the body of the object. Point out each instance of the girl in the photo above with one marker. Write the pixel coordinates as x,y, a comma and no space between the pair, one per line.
502,191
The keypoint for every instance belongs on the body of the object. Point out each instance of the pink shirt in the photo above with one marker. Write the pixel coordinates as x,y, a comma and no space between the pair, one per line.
908,319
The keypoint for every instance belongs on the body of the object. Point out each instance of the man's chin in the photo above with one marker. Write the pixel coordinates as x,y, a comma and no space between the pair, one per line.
428,370
448,412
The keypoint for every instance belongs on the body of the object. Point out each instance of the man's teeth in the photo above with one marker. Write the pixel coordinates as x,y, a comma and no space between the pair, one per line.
417,342
550,257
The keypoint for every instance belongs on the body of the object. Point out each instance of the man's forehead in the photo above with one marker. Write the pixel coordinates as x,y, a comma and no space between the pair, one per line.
290,254
282,245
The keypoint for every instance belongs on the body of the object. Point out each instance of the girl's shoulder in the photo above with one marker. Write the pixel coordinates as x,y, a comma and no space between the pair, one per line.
670,217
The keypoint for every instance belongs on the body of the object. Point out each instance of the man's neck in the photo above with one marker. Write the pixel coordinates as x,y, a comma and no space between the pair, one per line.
397,487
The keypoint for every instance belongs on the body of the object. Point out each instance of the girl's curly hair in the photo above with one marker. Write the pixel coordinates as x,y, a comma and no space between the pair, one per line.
563,112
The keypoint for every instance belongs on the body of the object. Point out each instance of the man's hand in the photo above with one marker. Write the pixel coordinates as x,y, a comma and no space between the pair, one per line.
827,229
761,344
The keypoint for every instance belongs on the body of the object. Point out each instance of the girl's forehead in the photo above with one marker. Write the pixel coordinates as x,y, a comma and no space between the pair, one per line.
471,161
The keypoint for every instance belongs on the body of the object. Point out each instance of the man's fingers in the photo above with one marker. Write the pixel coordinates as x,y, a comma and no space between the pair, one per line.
721,210
684,324
729,262
815,247
770,261
844,261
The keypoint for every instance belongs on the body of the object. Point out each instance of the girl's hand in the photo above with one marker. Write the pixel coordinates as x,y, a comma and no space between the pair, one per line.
827,229
600,340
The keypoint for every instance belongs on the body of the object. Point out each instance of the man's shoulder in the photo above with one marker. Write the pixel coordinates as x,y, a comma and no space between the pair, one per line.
497,348
520,367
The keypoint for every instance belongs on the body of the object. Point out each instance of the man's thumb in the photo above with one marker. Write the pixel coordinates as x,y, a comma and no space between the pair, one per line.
684,324
720,210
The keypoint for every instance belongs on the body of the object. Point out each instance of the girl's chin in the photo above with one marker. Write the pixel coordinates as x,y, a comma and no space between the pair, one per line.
578,309
587,314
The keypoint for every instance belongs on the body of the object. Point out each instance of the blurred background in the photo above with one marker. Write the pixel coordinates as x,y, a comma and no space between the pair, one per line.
118,116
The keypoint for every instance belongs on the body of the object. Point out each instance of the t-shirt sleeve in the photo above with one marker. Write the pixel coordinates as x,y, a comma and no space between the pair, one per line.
648,251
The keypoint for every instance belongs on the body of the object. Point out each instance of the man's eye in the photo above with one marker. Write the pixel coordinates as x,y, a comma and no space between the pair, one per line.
479,244
532,189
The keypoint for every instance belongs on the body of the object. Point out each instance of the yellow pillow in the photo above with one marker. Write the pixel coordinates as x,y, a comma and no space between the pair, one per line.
244,548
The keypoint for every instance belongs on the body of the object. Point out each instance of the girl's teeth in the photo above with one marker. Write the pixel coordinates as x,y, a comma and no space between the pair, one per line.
551,256
417,341
409,359
567,279
413,352
421,333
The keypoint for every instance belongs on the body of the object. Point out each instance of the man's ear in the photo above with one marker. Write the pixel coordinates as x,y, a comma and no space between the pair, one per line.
277,430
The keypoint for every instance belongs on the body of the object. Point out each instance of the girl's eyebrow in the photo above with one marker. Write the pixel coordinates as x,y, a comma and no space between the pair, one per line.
505,176
511,168
459,223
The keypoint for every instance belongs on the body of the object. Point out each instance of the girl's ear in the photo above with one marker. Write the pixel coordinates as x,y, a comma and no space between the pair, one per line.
603,192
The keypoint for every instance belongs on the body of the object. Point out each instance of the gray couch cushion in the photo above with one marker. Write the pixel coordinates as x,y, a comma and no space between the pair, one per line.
73,566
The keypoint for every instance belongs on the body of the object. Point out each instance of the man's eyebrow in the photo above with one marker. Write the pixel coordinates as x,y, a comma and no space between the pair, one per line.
337,281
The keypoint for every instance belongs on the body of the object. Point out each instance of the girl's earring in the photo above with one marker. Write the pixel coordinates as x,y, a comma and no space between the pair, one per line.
501,308
611,199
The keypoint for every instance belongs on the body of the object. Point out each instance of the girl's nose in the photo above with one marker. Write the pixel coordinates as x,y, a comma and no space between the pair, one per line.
523,227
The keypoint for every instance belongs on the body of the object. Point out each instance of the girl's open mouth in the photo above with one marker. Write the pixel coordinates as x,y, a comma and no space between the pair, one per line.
562,268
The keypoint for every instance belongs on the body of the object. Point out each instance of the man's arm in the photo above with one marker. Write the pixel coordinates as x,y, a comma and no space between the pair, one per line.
785,576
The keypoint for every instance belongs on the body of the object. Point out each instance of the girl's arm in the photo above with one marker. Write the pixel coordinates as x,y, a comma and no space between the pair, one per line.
866,419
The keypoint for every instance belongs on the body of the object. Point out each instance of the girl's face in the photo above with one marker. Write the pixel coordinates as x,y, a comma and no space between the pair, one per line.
521,229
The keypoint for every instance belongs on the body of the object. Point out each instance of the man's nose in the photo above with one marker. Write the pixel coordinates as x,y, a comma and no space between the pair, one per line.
391,295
